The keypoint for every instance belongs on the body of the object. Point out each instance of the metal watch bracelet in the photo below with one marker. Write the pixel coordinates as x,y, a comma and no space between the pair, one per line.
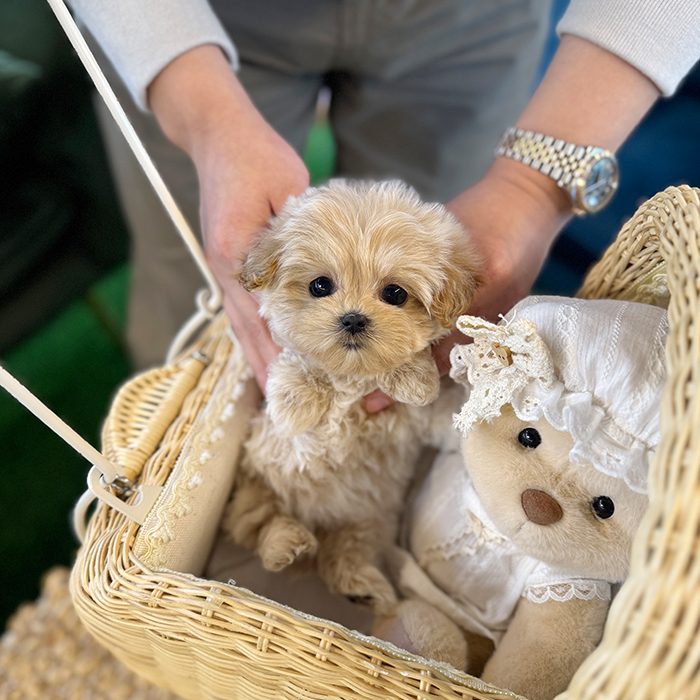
588,173
553,157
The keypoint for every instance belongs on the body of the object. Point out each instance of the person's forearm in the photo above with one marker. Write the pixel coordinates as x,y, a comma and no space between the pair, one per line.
661,37
589,96
198,95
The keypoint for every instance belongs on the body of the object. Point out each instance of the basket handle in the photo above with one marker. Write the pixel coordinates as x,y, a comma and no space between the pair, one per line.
106,480
208,301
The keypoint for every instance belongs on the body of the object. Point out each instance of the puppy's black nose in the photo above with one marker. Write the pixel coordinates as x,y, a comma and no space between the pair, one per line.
354,323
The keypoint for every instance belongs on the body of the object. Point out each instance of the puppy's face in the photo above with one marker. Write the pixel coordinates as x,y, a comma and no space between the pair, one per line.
360,276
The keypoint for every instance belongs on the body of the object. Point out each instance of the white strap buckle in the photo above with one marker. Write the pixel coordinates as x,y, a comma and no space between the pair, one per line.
113,494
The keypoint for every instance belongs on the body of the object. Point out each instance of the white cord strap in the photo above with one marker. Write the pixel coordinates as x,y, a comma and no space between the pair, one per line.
207,303
103,475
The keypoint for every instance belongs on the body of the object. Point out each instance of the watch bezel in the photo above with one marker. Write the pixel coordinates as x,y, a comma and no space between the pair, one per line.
578,188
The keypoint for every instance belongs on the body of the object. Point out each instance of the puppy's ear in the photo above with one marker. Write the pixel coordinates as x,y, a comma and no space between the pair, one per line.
261,263
462,279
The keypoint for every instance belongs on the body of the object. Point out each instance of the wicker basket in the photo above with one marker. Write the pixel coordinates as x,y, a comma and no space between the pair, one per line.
134,588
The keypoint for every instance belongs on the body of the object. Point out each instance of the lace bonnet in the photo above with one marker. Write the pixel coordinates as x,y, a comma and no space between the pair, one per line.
593,368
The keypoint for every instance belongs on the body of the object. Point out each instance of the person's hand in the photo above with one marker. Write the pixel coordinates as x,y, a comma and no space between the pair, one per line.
246,172
512,215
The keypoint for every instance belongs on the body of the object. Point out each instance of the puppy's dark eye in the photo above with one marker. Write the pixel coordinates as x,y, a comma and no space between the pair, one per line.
321,287
529,437
603,507
394,295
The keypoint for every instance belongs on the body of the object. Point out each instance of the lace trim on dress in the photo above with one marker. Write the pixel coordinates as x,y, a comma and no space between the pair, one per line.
465,543
561,592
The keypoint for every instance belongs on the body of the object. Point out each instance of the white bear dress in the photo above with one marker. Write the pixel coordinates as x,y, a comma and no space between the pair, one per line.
461,564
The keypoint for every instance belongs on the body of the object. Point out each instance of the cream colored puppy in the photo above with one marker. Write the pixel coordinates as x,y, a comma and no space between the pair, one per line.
356,280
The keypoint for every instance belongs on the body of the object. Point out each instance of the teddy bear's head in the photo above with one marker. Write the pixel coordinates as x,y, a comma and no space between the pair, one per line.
561,423
571,516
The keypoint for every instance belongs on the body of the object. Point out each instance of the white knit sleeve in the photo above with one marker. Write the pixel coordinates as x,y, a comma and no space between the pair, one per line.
140,37
661,38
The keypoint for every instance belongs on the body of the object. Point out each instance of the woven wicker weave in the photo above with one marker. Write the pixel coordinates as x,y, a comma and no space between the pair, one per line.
205,639
142,412
651,647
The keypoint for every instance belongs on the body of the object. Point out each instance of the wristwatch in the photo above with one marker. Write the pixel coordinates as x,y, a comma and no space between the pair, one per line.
589,174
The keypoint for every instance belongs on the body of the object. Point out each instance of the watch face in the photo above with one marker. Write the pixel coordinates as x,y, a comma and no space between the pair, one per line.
598,185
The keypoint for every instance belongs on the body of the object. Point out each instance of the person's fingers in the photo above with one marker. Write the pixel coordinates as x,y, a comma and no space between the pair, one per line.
441,350
252,333
377,401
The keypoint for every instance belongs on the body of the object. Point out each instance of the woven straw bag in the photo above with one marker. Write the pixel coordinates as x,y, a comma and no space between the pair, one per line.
180,427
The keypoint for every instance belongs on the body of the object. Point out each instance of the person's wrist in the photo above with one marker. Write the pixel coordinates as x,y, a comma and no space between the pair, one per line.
197,97
226,114
536,193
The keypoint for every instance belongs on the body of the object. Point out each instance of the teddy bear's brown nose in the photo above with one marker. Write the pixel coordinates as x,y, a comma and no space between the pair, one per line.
540,507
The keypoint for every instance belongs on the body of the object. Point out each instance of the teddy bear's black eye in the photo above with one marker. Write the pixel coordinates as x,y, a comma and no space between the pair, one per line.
321,287
529,437
603,507
394,295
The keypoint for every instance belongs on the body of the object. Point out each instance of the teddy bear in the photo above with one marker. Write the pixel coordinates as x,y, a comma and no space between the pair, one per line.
523,525
356,280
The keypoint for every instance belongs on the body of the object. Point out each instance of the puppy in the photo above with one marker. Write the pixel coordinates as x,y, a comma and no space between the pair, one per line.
356,280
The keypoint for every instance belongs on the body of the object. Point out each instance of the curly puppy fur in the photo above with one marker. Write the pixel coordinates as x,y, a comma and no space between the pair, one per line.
319,474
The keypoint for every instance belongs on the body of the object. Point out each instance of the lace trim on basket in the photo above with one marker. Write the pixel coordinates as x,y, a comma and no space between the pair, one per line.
561,592
190,471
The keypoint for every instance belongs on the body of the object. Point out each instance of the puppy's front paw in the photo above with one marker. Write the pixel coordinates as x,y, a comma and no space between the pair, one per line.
284,540
297,397
417,382
292,415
